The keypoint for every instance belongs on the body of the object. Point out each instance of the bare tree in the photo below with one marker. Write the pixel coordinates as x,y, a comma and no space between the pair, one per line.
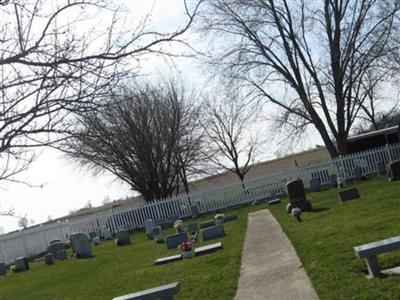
309,58
231,145
57,58
145,136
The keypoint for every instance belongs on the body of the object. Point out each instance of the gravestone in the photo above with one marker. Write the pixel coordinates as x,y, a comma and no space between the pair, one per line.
96,241
207,224
274,201
61,255
173,241
92,234
213,232
164,224
193,228
3,269
148,225
21,264
230,218
333,180
158,234
107,235
80,245
49,259
315,184
178,225
195,211
54,241
380,165
297,196
122,237
394,170
358,173
348,194
55,247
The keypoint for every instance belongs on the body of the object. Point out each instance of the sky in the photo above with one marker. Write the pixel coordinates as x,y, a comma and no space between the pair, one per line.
66,186
61,186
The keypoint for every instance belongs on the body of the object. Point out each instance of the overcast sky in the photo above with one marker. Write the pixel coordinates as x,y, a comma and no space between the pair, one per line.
65,186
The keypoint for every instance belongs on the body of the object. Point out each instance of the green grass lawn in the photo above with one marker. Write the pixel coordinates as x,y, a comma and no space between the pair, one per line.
115,271
325,239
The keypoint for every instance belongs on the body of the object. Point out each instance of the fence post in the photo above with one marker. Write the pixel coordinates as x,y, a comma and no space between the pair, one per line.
388,152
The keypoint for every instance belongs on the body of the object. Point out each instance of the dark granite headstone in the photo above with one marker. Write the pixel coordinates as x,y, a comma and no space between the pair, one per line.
61,255
21,264
49,259
230,218
380,165
394,170
173,241
193,228
80,245
348,194
297,195
358,173
207,224
122,237
333,180
213,232
315,184
3,269
54,241
55,247
195,210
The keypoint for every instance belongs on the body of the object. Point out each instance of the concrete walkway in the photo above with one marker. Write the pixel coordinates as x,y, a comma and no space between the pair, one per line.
270,266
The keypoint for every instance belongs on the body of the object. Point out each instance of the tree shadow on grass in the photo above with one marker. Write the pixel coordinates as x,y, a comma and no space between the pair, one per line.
319,209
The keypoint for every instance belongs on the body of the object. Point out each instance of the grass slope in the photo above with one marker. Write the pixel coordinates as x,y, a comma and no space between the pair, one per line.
325,239
116,271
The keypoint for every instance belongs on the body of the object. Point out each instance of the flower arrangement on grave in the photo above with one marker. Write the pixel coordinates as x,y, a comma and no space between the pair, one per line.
187,245
219,218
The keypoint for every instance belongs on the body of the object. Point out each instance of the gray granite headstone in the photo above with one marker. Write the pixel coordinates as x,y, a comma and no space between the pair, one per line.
122,237
173,241
148,225
107,235
158,234
3,269
96,241
394,170
21,264
315,184
213,232
80,245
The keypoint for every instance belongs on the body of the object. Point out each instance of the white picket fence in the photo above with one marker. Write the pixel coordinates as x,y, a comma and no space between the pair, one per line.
34,240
